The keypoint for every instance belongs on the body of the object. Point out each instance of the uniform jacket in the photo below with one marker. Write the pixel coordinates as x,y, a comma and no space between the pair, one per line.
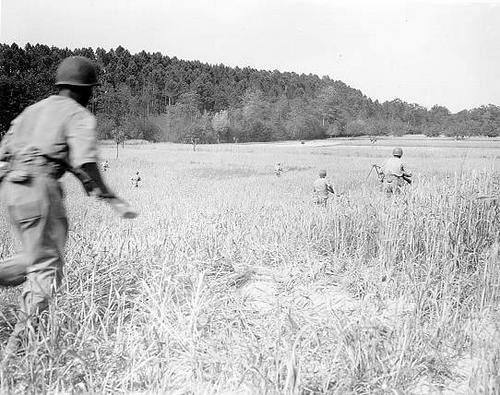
57,127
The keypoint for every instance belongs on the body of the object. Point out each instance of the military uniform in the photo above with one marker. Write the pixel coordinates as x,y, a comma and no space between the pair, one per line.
53,136
394,170
278,169
135,180
44,137
321,189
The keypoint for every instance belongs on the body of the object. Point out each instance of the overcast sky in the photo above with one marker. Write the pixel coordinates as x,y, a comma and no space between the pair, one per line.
434,52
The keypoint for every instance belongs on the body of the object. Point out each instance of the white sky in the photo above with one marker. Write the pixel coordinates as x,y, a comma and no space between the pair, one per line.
434,52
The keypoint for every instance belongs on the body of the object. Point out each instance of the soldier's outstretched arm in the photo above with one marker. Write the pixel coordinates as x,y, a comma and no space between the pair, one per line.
90,177
81,136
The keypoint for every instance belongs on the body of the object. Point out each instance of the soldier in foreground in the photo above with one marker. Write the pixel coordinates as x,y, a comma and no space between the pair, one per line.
55,135
395,174
321,189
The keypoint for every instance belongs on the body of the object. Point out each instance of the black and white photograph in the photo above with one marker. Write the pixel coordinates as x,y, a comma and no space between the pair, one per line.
247,197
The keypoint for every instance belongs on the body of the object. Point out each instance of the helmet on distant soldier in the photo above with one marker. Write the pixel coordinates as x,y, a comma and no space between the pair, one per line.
398,151
76,71
322,173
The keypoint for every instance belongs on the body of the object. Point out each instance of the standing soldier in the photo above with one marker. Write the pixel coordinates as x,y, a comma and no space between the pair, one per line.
55,135
321,189
278,169
394,173
135,180
105,165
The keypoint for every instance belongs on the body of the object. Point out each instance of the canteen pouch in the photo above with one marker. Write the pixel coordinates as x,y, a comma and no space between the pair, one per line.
22,165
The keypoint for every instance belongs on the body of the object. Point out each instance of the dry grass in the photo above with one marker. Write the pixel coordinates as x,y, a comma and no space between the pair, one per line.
231,281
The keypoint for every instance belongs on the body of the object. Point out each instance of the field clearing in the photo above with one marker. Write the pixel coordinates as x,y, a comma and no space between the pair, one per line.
232,281
389,141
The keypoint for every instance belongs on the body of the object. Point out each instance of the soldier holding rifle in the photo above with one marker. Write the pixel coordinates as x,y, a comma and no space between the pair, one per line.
55,135
321,189
395,174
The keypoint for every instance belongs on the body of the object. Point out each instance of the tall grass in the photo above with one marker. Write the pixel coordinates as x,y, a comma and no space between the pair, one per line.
232,281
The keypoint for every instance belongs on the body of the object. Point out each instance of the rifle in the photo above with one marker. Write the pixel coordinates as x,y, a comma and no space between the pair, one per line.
378,170
487,197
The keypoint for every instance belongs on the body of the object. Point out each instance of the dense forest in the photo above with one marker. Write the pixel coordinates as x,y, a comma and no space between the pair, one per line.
160,98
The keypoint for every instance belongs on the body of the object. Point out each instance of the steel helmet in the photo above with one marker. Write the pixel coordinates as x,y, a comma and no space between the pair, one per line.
322,173
76,71
398,151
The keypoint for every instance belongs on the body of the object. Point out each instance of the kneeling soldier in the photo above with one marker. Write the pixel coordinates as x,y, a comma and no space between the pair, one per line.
321,189
395,174
278,169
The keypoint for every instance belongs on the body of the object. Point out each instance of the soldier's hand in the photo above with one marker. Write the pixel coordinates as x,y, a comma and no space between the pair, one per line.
122,208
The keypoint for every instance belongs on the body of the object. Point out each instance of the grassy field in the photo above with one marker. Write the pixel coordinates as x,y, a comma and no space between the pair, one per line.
232,281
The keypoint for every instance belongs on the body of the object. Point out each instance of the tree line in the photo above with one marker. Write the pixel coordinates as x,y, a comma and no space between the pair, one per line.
160,98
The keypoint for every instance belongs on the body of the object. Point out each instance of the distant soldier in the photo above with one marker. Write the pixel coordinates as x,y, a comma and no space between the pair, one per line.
105,165
135,180
55,135
321,189
278,169
395,175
